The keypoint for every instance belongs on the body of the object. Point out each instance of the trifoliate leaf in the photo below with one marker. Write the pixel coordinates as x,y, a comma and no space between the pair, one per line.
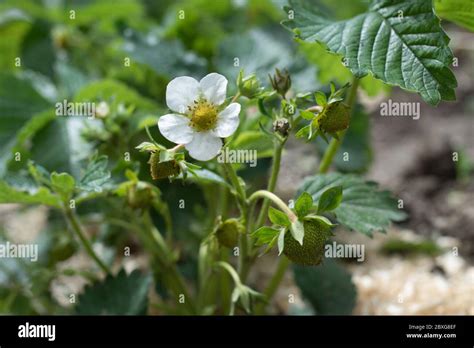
330,199
363,208
399,42
117,295
278,217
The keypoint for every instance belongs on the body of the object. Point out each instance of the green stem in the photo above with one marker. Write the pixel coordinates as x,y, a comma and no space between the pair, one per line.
335,143
278,149
271,197
272,287
76,227
225,286
243,205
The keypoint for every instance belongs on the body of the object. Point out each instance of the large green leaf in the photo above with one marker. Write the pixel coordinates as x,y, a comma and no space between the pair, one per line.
60,147
328,288
38,43
117,295
460,12
21,114
31,195
399,42
364,207
333,70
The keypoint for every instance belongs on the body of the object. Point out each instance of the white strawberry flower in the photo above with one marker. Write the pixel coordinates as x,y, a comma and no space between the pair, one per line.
199,120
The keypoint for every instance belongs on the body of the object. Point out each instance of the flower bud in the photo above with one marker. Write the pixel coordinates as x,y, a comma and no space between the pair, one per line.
228,232
281,126
281,81
249,86
161,170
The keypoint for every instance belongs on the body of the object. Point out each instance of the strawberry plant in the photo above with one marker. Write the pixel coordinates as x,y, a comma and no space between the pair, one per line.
168,187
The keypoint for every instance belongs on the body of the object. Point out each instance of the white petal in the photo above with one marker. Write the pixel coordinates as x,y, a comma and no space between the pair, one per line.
205,146
228,121
175,128
214,87
181,92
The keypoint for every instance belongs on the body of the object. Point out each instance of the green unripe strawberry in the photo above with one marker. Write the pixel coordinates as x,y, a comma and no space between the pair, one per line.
228,233
161,170
334,117
312,251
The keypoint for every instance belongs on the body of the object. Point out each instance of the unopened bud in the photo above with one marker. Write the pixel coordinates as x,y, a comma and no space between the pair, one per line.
281,81
249,86
281,126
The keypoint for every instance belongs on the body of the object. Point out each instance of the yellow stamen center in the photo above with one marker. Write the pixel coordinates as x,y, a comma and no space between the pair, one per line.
203,116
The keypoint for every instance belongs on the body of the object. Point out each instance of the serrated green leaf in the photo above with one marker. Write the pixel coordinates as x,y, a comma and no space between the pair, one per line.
278,217
117,295
303,204
328,288
95,175
363,208
399,42
330,199
460,12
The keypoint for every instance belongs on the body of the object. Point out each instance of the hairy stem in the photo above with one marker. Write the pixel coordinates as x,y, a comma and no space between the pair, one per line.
76,227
